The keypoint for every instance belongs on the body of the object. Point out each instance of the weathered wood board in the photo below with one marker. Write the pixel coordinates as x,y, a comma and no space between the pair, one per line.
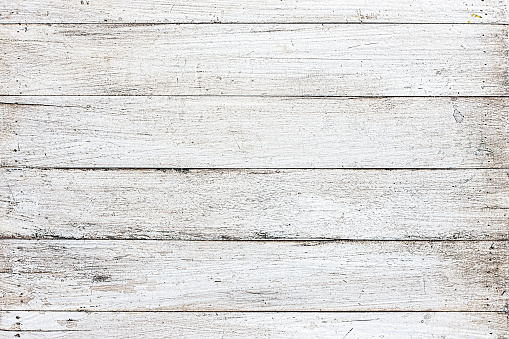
221,11
253,276
273,169
404,325
255,204
254,132
263,59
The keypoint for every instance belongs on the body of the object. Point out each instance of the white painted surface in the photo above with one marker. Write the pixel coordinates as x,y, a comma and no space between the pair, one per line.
253,132
255,204
253,276
256,85
240,59
289,11
403,325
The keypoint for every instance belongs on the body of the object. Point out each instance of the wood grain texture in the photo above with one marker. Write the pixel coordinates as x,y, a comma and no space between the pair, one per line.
397,132
254,132
220,11
268,59
255,204
253,276
416,325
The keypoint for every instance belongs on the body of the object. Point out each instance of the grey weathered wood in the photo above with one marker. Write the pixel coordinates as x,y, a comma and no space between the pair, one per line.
255,204
226,132
253,276
415,325
91,11
268,59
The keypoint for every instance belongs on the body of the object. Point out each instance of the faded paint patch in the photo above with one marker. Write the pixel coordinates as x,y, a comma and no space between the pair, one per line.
69,323
458,116
483,150
126,289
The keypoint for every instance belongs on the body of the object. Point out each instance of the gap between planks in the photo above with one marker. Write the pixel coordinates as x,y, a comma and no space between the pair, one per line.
234,169
249,311
106,23
281,240
353,97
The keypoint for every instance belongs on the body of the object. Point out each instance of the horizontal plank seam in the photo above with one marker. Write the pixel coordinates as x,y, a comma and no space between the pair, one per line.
43,331
280,240
249,311
234,169
147,23
254,96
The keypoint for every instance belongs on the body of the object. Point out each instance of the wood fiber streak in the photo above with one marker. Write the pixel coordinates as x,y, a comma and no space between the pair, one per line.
254,132
217,11
418,325
266,60
255,204
253,276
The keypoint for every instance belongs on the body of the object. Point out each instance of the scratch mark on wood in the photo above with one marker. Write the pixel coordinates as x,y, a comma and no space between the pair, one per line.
347,333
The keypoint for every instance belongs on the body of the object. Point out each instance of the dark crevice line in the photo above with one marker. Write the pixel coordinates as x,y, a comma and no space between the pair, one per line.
279,240
256,311
42,331
261,96
186,170
38,105
148,23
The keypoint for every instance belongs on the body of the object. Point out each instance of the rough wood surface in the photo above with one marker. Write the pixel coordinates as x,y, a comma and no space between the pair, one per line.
254,132
415,325
255,204
268,59
220,11
381,125
253,276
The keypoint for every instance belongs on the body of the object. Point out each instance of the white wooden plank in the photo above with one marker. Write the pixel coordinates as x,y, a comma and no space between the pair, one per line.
253,276
250,205
176,11
254,132
416,325
268,59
